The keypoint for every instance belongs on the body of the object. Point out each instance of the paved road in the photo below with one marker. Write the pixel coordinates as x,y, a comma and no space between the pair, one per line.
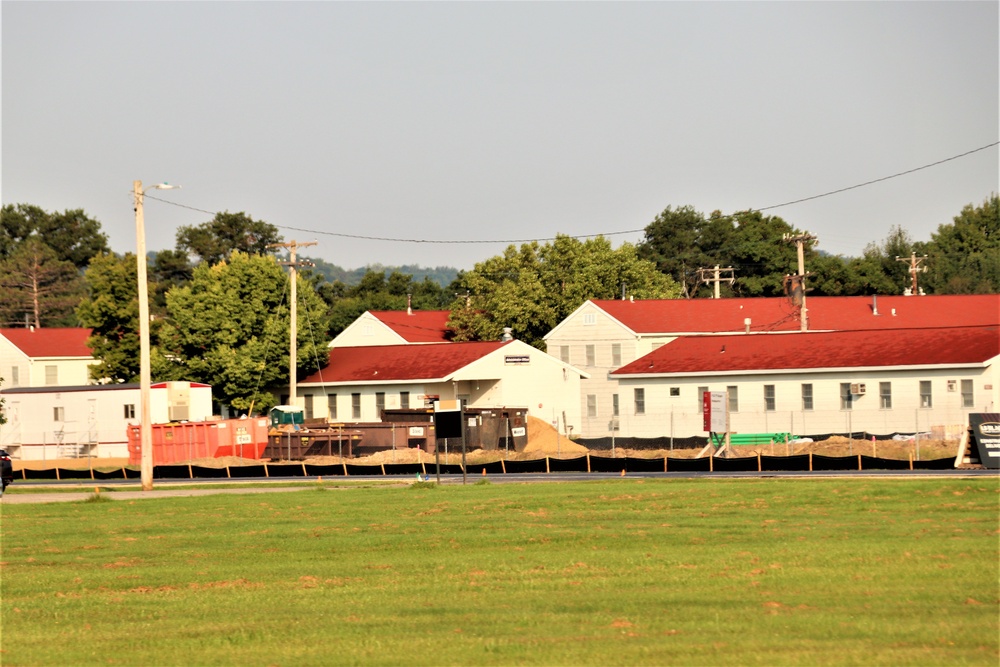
162,488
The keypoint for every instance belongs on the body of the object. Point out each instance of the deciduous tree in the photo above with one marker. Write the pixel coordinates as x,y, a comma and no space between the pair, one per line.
213,241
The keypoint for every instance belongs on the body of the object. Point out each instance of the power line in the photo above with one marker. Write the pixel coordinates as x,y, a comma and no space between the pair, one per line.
581,236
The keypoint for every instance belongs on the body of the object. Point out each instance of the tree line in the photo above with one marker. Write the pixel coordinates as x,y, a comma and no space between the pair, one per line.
219,299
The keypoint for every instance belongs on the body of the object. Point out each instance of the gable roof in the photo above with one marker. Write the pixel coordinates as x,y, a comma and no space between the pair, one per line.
50,343
713,355
826,313
416,326
399,363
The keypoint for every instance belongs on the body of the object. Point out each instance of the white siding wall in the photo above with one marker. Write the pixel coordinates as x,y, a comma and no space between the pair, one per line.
366,330
680,416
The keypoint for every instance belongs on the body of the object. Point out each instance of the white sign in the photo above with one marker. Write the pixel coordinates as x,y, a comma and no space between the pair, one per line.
417,431
517,431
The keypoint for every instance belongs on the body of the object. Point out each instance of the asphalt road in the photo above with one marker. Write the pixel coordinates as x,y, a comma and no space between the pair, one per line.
129,490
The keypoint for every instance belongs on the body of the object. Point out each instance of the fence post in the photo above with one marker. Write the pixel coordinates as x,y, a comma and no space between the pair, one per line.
859,461
588,461
547,465
503,466
758,461
810,461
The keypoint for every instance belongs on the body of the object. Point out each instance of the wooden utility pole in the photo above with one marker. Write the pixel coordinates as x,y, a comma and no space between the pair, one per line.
293,246
915,268
800,240
714,276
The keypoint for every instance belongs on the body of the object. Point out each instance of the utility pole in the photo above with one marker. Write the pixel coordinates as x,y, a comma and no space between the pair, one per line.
716,277
800,240
915,268
293,246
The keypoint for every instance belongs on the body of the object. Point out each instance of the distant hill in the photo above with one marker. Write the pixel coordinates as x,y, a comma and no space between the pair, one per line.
442,275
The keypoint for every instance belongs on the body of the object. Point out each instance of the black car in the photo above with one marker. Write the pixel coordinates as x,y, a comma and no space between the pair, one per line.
6,470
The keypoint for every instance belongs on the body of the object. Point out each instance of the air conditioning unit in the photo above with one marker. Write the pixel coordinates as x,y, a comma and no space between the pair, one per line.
858,388
613,424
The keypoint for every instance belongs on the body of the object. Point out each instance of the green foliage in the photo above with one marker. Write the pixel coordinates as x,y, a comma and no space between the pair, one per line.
532,288
964,256
37,286
441,275
226,233
72,234
229,327
376,292
614,572
111,309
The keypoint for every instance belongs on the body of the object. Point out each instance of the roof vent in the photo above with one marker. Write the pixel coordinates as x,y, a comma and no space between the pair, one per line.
746,323
507,335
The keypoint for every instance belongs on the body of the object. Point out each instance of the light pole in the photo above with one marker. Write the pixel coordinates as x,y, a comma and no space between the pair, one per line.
146,426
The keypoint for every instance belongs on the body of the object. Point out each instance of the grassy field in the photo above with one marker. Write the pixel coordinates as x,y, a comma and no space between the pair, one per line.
619,572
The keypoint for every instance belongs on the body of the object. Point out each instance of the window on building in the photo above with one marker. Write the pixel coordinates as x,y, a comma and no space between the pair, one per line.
130,411
926,401
307,411
616,354
734,398
846,397
15,376
701,398
564,353
885,395
379,403
675,391
614,405
355,406
589,319
331,406
807,396
591,356
51,375
769,397
968,399
404,400
640,401
591,405
59,414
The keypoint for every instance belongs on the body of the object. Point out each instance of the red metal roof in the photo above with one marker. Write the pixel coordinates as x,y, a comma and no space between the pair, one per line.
826,313
814,350
418,326
395,363
55,342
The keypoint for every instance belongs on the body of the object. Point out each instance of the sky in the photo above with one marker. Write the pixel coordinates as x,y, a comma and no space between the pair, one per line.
469,126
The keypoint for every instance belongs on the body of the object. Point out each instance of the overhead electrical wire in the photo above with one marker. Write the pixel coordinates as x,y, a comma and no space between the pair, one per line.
585,236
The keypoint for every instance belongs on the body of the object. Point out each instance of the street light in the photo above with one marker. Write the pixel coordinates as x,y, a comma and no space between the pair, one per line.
146,426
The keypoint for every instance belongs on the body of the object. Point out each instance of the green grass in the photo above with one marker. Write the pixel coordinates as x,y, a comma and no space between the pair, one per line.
618,572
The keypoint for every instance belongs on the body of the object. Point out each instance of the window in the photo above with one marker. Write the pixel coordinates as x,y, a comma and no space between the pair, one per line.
591,355
616,354
404,400
59,414
367,330
355,406
591,405
925,394
51,375
885,395
807,397
614,405
379,403
701,398
675,391
734,398
769,397
308,407
846,397
968,400
564,353
331,406
130,411
640,401
589,319
15,377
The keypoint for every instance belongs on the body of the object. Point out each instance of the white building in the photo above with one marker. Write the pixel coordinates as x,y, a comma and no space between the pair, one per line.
601,336
395,327
71,421
31,357
816,383
358,382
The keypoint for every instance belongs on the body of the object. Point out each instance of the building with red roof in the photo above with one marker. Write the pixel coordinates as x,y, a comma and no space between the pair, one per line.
602,336
395,327
40,357
358,382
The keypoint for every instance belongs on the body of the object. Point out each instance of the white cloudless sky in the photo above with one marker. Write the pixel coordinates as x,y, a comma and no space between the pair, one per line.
498,121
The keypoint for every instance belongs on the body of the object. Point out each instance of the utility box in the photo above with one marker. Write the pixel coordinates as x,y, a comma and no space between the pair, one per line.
283,415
